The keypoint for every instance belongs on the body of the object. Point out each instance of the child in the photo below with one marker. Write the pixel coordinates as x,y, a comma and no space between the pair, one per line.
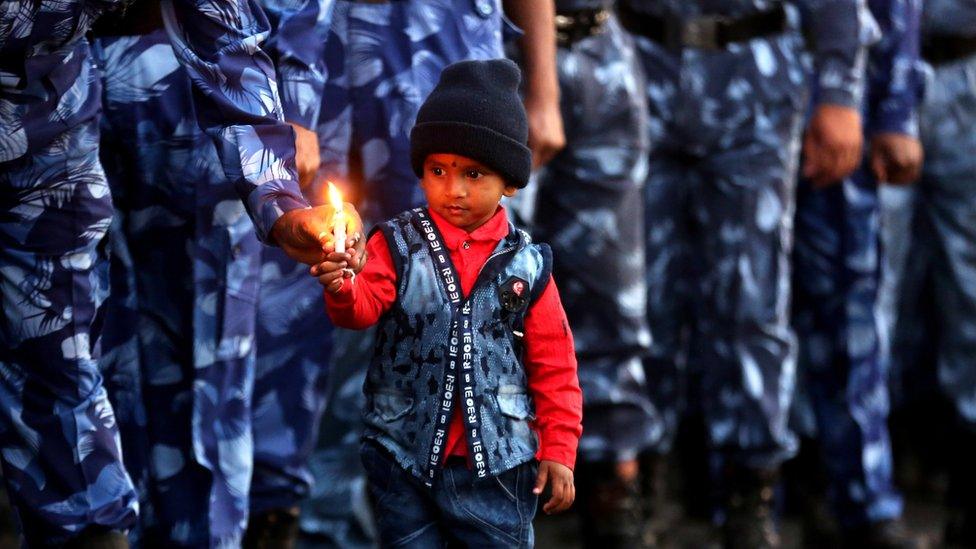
474,374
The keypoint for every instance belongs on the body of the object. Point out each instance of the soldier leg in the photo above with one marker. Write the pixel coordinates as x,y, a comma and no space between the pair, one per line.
900,272
743,214
61,456
592,216
668,274
120,363
836,278
294,344
947,205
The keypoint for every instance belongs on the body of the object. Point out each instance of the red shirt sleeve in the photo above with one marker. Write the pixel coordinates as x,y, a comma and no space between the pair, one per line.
550,362
362,300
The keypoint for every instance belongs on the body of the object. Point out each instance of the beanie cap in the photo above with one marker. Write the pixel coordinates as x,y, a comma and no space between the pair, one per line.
475,111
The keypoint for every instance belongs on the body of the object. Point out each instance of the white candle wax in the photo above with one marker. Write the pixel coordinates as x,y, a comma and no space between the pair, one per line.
339,231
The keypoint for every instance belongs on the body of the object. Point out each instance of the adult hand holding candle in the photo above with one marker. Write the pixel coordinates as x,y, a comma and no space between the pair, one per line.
344,219
301,232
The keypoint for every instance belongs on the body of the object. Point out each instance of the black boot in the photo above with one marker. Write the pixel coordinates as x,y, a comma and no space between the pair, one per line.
654,507
804,481
98,538
274,529
609,507
749,504
960,530
886,534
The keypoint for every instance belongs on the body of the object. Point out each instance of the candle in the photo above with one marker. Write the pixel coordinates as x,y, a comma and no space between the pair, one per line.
339,219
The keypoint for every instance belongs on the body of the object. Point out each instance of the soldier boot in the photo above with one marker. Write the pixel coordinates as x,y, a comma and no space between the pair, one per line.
272,529
98,538
961,496
885,534
609,506
749,504
654,507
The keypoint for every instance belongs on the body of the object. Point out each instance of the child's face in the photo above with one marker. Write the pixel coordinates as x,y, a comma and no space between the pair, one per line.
461,190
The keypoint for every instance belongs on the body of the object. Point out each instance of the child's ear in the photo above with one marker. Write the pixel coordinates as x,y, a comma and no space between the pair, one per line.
510,190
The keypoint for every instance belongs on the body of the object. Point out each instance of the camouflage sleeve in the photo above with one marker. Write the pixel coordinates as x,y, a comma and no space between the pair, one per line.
841,31
219,43
895,71
297,46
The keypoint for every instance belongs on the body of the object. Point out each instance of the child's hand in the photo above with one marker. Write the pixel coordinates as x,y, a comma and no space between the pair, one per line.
563,488
333,271
355,254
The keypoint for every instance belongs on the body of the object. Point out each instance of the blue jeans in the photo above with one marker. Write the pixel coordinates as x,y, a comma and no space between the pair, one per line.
458,510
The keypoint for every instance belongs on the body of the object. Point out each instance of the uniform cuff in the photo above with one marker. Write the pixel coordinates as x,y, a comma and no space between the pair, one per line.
844,97
271,200
896,123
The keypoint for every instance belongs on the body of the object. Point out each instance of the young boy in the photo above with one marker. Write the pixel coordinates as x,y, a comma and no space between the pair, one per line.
474,374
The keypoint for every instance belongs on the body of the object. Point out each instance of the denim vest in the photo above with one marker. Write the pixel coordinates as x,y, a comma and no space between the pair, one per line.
410,388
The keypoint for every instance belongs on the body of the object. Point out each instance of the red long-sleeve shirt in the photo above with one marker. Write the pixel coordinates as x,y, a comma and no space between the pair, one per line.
549,359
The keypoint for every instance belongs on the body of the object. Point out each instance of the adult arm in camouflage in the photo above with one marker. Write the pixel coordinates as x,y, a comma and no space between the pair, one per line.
834,139
219,42
538,48
895,88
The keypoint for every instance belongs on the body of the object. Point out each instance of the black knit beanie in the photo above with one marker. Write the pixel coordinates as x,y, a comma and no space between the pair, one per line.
475,111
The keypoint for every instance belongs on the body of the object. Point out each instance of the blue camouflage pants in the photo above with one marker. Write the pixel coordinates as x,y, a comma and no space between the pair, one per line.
59,440
725,128
294,345
120,367
383,60
940,240
195,267
591,212
843,370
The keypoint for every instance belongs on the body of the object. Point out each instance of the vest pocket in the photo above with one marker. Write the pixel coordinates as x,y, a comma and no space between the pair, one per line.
514,402
391,406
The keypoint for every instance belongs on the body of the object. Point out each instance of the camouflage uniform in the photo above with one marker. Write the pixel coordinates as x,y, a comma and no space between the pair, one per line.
837,264
195,265
938,243
58,432
590,212
293,331
589,208
725,126
381,62
56,271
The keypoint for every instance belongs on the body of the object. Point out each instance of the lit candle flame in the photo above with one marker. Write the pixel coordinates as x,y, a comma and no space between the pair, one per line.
335,197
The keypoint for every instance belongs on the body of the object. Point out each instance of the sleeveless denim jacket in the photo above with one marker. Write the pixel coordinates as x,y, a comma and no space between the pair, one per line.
405,384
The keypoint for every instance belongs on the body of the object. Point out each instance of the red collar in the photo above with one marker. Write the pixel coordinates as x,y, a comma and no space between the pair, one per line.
493,230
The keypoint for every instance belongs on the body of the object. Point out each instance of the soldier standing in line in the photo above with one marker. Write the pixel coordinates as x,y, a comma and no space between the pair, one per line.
194,262
59,434
590,211
726,92
938,238
836,273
